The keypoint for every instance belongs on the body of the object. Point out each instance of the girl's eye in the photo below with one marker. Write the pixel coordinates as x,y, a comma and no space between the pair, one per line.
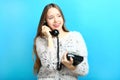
59,15
51,17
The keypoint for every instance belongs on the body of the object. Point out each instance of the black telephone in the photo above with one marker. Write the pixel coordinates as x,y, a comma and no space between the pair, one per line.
76,59
54,32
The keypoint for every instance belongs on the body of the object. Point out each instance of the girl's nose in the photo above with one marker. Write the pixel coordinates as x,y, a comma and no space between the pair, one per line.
55,19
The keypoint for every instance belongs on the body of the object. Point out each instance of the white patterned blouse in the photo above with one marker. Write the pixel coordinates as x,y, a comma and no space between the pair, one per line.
74,43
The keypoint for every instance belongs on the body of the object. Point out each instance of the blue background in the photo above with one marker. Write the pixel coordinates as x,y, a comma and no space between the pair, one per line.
97,20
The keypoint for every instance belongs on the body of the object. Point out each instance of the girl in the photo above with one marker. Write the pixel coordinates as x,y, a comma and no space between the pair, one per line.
45,48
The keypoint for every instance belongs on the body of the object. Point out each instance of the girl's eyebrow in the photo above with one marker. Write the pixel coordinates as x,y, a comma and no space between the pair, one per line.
50,16
53,15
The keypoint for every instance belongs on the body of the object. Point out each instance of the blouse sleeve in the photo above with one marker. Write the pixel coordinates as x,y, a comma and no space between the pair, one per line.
41,46
82,68
44,53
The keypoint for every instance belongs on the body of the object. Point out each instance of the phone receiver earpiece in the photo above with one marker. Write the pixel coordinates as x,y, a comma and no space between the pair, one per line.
54,32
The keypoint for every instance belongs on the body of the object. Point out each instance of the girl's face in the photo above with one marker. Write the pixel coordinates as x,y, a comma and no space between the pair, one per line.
54,19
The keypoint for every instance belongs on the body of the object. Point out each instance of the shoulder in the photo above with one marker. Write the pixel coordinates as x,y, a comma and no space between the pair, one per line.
75,34
39,40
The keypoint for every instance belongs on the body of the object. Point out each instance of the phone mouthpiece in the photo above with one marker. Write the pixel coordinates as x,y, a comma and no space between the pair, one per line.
54,32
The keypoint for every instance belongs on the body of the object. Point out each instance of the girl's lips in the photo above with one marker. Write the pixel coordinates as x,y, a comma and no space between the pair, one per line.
56,25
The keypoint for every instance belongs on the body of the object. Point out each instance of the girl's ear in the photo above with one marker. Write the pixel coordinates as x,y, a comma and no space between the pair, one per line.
45,23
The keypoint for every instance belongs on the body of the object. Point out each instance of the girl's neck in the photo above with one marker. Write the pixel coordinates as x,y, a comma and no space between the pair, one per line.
62,34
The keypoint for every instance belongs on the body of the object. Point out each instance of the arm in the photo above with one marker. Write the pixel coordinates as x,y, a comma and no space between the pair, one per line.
82,68
68,63
45,52
44,45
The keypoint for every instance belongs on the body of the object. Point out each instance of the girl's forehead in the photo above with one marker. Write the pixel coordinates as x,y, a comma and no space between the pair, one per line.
53,11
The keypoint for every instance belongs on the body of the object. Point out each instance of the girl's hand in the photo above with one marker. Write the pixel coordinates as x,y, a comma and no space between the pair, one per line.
68,63
46,31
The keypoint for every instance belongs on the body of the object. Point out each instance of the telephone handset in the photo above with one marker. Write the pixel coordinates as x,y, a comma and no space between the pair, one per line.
54,32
